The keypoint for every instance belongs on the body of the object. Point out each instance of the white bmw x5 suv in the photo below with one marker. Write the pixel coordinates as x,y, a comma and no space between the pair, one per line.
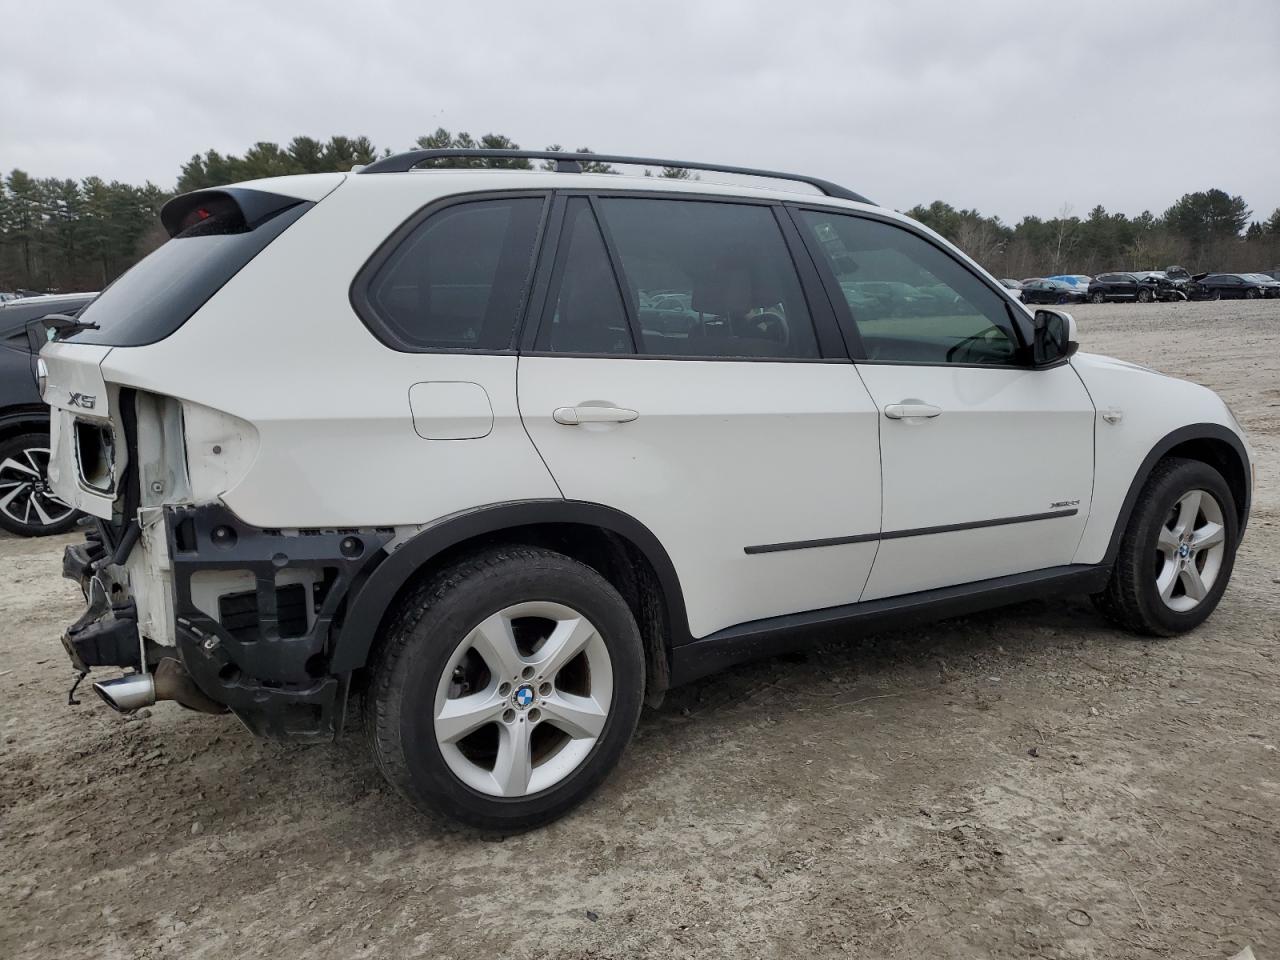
505,453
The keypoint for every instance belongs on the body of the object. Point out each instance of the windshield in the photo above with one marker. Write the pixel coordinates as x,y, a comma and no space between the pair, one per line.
161,292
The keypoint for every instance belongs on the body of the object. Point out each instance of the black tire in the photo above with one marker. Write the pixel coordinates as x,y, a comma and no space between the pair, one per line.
1216,295
1098,297
1251,294
19,456
425,631
1131,599
1144,296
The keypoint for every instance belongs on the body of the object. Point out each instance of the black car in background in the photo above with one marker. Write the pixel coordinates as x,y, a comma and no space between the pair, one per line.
1051,291
1270,285
1121,286
27,506
1226,286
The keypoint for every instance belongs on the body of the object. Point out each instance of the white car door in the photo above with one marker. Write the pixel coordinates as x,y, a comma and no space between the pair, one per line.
678,375
988,462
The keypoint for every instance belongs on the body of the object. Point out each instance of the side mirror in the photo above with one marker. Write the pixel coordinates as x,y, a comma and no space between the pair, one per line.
1054,339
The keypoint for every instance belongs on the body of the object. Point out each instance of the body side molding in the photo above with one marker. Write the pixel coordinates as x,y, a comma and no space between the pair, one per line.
372,600
913,532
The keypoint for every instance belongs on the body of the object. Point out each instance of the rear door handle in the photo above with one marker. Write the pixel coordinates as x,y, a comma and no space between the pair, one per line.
586,413
908,409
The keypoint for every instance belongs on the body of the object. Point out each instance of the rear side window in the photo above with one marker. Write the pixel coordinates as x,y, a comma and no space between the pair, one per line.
210,244
709,279
586,310
457,280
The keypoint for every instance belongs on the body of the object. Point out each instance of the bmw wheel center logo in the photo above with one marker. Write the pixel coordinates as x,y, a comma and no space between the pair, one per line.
523,696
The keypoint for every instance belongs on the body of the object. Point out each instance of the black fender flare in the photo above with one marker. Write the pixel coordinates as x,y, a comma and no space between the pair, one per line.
1195,431
371,601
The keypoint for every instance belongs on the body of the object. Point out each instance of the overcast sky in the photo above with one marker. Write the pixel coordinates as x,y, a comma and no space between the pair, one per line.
1009,107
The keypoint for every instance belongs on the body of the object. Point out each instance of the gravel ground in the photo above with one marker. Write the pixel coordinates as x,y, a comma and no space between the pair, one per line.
1028,783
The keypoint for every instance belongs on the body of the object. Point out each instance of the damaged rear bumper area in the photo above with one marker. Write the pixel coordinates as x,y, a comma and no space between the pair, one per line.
255,616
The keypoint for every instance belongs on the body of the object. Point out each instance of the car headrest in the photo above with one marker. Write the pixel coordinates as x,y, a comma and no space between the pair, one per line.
733,285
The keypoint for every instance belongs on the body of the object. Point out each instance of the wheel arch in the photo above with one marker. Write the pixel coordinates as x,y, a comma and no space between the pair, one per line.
622,549
23,419
1209,443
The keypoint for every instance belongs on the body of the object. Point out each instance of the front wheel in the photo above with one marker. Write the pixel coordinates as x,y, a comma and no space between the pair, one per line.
506,688
1144,296
28,507
1098,297
1251,294
1177,552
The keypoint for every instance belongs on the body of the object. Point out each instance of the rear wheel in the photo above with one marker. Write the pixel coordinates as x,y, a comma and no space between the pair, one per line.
1177,552
506,689
28,506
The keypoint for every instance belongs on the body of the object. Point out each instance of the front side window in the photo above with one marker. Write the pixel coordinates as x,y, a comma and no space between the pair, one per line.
458,280
910,301
709,279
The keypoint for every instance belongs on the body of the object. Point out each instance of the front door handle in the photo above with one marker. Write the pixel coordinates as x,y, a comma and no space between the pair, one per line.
909,409
586,413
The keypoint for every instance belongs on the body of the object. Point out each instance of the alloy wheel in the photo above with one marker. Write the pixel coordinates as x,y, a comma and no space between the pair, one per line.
25,496
1190,549
523,699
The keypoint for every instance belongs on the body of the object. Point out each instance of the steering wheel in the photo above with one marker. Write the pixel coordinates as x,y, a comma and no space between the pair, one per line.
766,326
967,343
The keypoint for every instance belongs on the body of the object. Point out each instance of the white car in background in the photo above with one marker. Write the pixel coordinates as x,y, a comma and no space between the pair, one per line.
419,437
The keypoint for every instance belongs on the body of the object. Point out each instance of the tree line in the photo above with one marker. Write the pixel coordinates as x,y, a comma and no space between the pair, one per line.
60,234
1202,231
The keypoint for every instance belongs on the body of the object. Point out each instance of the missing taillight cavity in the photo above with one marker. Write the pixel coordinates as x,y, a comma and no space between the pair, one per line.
96,454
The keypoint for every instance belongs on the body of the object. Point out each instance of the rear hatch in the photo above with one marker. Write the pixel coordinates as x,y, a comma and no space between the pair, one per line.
213,235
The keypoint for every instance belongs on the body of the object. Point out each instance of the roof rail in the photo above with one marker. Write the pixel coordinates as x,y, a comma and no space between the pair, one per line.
572,163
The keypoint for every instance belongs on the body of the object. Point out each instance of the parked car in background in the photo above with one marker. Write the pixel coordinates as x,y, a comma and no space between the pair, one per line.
1052,291
1270,285
1164,287
1226,286
27,505
1013,286
1120,286
1078,280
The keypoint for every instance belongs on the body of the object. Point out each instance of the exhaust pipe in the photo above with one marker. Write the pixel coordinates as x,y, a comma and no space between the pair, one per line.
170,681
126,694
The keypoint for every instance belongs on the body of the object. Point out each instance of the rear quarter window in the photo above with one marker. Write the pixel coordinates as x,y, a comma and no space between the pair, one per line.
452,278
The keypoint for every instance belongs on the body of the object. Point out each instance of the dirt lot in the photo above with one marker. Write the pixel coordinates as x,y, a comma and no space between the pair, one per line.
1029,783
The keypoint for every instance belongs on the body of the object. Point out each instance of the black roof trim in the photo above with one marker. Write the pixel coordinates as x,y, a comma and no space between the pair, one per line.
572,163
